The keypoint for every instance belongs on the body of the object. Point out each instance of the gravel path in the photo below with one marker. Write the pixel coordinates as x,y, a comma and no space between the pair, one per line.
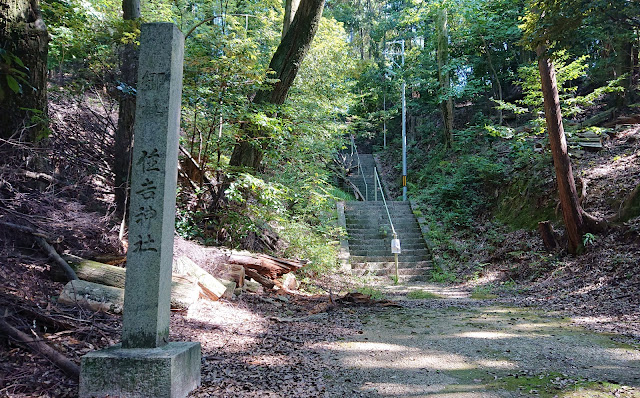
460,347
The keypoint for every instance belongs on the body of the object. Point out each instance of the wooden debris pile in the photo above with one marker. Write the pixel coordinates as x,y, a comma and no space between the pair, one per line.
100,286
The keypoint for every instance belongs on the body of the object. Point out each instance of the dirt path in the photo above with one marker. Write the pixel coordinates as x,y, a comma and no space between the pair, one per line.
455,346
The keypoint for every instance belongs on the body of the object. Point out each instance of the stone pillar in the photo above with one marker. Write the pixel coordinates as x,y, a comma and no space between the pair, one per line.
146,364
154,171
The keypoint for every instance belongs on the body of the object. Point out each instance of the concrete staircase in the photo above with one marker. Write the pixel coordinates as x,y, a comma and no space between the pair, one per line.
369,233
366,165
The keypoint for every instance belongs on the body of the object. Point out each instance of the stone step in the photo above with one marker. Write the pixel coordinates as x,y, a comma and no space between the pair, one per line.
378,207
363,234
404,214
413,275
385,264
405,258
365,205
364,245
390,269
384,251
377,224
376,242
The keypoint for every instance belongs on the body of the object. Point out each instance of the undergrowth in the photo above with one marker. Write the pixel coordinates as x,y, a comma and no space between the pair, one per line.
286,211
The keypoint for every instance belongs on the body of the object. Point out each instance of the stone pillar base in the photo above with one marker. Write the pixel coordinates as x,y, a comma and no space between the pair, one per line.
170,371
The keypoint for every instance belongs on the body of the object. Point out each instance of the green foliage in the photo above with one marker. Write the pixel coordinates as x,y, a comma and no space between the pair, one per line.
374,293
456,188
440,275
568,75
13,72
589,239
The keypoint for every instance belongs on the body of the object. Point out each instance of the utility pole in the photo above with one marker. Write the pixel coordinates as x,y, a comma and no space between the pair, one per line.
384,120
404,117
404,131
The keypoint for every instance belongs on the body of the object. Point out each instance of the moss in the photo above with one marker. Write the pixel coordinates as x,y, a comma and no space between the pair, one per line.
422,294
483,296
524,205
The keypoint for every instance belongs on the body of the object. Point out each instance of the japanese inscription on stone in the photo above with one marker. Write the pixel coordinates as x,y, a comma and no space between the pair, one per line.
153,187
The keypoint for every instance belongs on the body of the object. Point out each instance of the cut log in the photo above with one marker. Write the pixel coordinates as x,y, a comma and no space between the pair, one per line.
37,346
99,297
94,271
597,119
268,266
234,272
263,280
289,281
212,288
96,297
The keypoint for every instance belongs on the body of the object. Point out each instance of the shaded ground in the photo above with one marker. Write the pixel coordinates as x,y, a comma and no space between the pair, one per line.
302,346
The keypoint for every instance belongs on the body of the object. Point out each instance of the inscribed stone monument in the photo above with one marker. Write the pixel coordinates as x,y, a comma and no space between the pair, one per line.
146,364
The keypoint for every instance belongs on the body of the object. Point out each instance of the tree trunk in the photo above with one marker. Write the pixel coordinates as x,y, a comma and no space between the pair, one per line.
571,210
285,64
443,76
24,38
126,110
290,8
495,78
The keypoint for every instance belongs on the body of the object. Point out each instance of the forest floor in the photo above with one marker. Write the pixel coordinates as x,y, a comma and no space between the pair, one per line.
417,340
530,324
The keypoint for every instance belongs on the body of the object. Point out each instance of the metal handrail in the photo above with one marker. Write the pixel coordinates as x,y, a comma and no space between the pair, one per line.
364,179
377,179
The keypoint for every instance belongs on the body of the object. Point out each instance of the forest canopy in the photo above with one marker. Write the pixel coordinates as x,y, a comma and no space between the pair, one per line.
260,127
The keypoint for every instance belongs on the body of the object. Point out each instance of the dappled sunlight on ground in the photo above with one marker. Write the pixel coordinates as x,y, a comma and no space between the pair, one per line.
485,335
475,348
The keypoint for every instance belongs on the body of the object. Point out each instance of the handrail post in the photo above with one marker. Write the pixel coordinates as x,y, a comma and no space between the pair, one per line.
375,184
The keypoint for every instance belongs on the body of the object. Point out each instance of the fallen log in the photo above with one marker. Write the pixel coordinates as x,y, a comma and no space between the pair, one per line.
212,288
97,272
268,266
110,275
263,280
97,297
597,119
65,364
234,272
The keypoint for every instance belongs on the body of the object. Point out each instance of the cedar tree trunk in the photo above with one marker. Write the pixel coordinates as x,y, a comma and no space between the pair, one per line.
443,76
23,39
285,64
571,210
126,110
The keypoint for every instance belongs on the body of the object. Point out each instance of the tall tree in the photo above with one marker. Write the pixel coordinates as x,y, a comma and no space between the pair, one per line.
23,69
444,77
127,108
284,65
571,210
549,23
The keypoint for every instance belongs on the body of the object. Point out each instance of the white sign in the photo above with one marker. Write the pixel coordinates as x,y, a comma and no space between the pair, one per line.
395,246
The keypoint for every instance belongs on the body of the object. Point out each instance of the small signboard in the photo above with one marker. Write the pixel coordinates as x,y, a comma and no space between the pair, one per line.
395,246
